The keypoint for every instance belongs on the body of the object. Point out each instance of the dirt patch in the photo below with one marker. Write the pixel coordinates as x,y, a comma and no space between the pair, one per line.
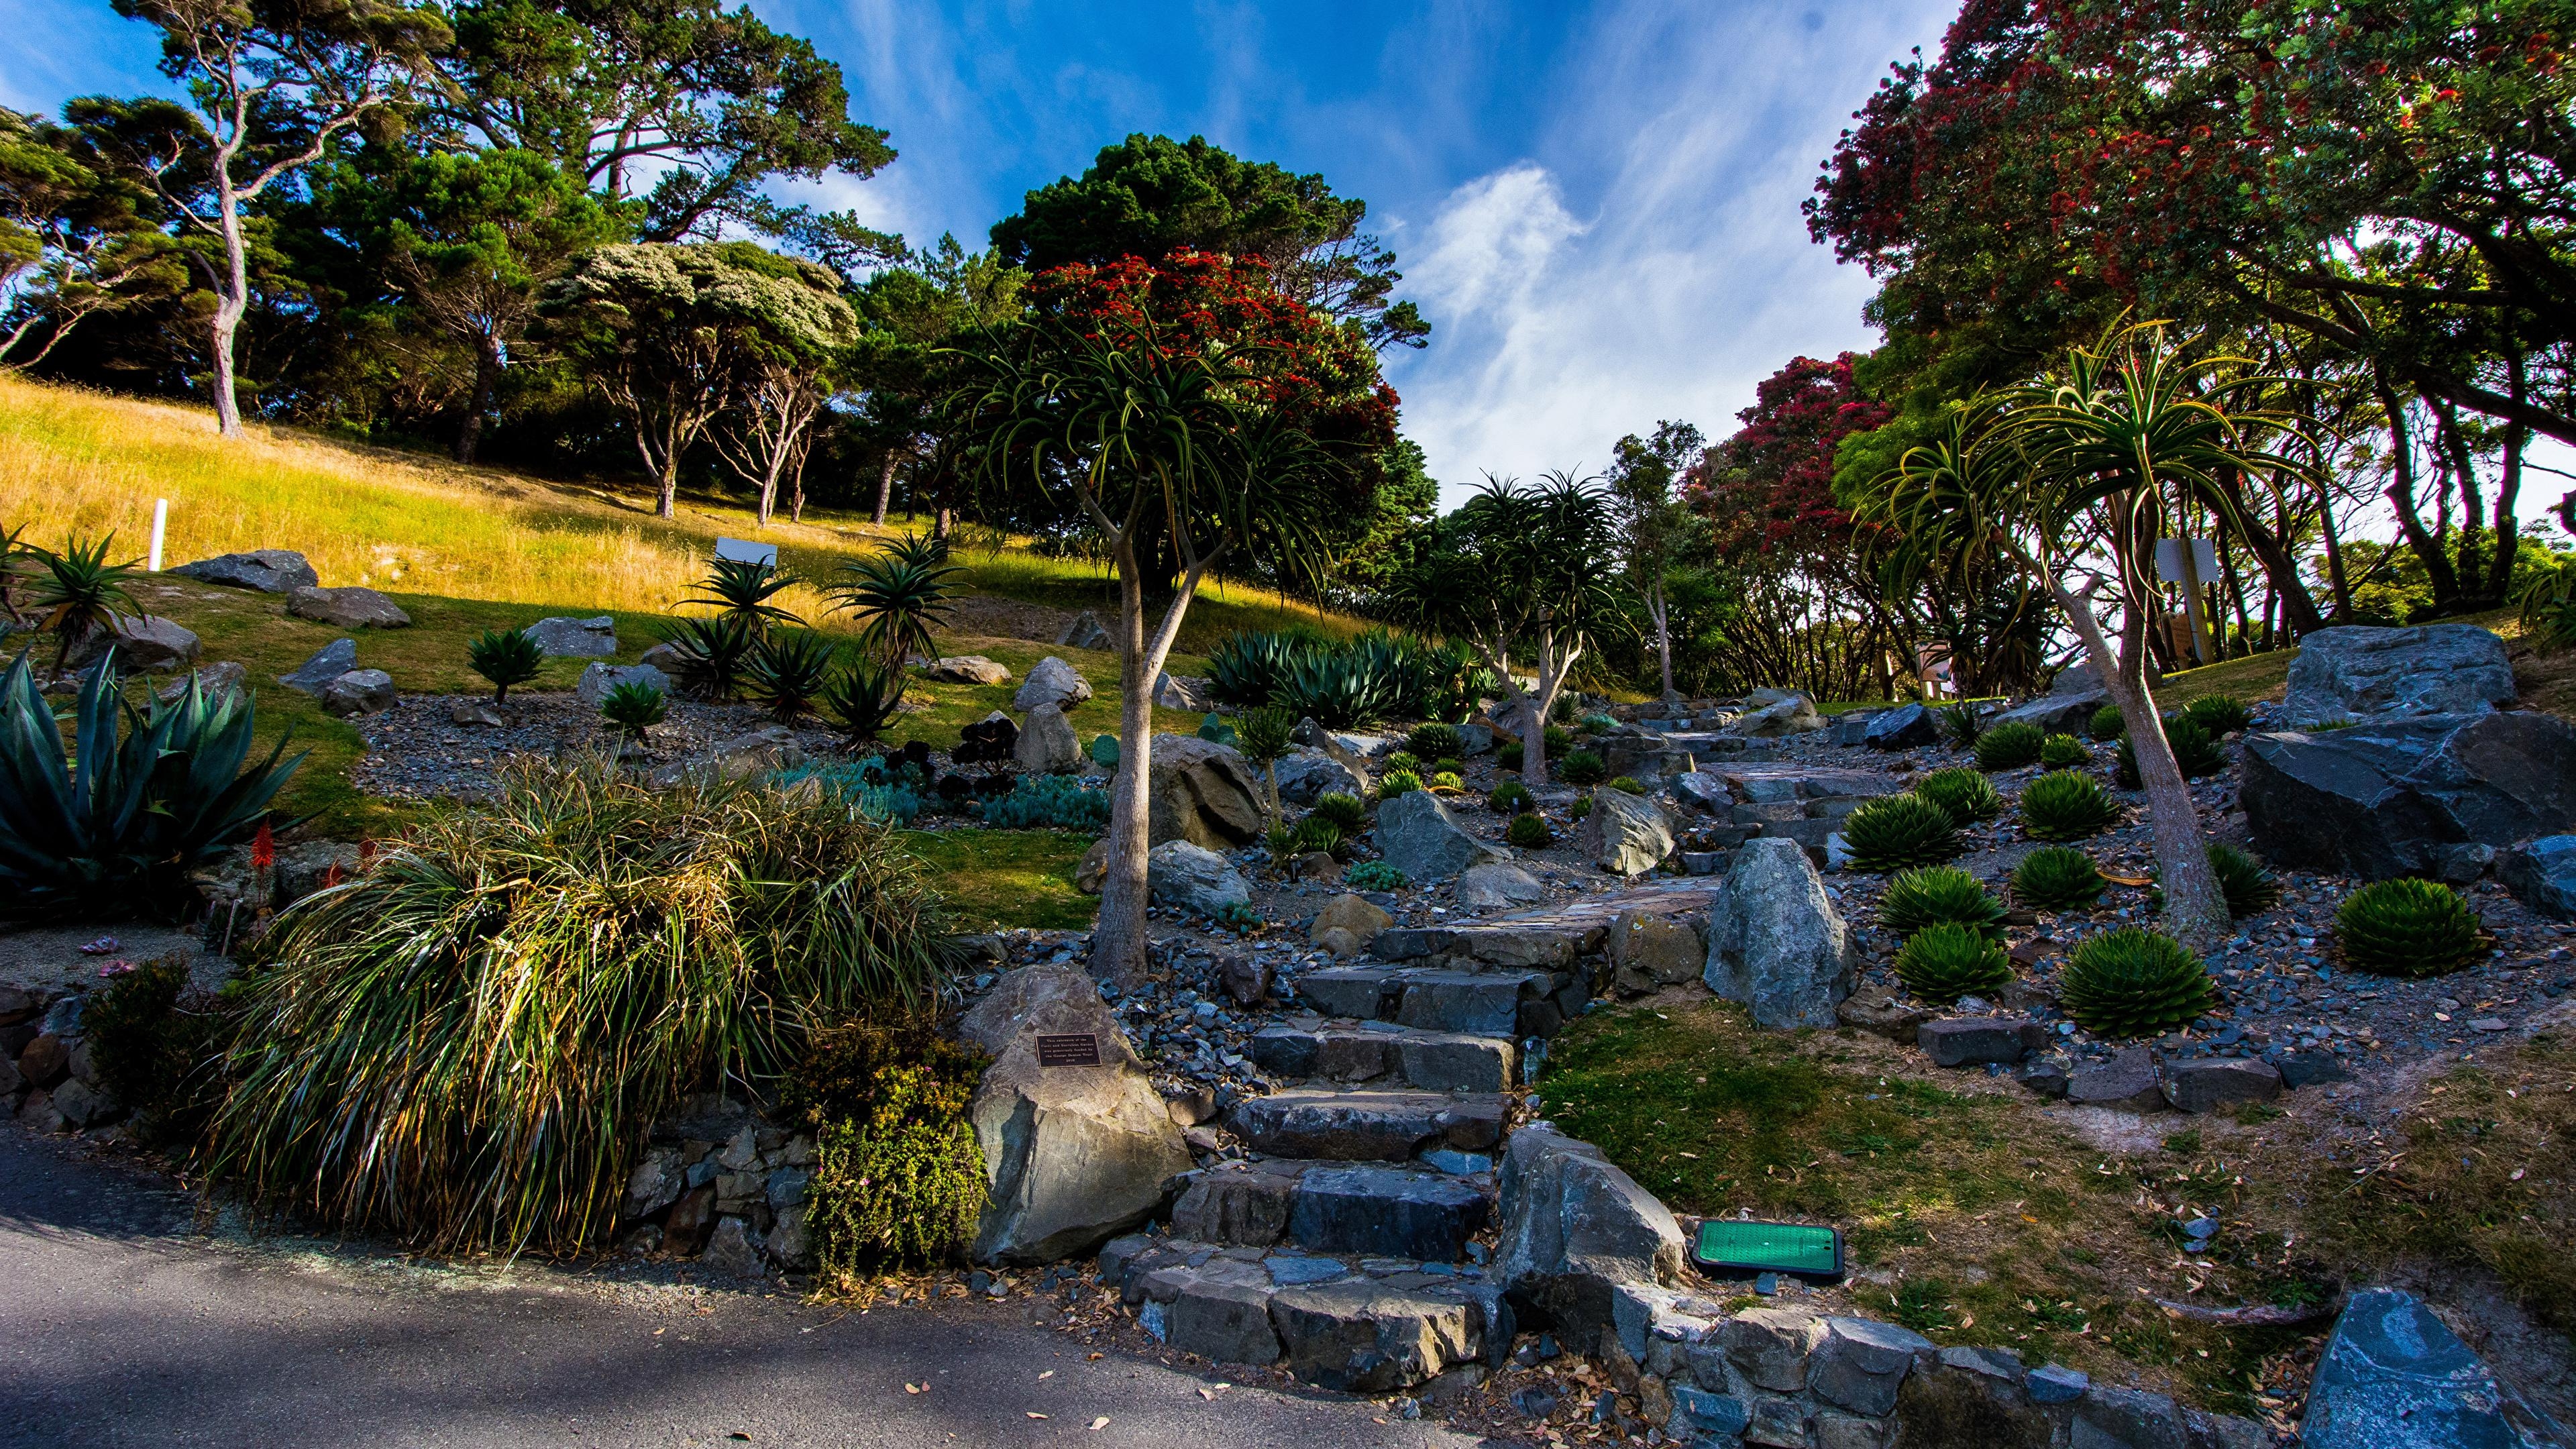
49,959
994,617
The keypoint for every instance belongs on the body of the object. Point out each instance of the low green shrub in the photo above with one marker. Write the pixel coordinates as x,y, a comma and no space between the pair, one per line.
2220,714
1397,782
1050,802
1345,811
898,1174
2195,749
2056,877
2134,983
1599,724
1451,766
2009,746
1401,760
504,657
1373,875
1581,807
1899,830
2066,805
1528,831
897,798
1240,917
2064,752
2107,724
467,1044
1508,798
1967,795
1628,785
1582,768
1947,960
2407,927
1446,780
1931,895
2250,888
157,1044
1558,738
1435,742
633,708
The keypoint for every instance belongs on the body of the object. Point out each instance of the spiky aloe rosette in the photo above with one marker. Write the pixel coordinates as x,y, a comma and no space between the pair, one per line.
2066,805
2250,888
1948,960
2134,983
1938,894
2064,752
2009,746
1897,831
1966,794
2055,878
2407,927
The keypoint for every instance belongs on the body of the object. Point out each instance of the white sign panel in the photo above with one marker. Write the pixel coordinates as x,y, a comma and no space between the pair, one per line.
746,551
2204,558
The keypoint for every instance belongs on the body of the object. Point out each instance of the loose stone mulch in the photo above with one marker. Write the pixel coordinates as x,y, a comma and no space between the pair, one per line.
417,750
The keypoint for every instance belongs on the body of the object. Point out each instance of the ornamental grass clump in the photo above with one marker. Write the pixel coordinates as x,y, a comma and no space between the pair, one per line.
1899,830
2009,746
2066,805
2057,877
1967,795
1947,960
2064,752
2407,927
2134,983
1937,894
467,1044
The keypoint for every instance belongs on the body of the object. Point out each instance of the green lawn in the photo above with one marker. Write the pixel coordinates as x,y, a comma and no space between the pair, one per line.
994,879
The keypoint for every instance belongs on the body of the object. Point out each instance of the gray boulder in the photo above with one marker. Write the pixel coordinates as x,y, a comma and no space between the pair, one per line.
1201,792
2423,796
1775,941
1193,878
1703,789
360,691
2360,672
268,570
1073,1156
2542,875
1183,691
968,669
1793,715
1575,1231
1351,752
1498,886
1475,739
2125,1083
214,682
1306,774
2056,714
2393,1376
598,679
2212,1083
1052,682
1417,835
1086,632
140,642
1625,834
1046,744
1902,728
328,663
349,608
566,638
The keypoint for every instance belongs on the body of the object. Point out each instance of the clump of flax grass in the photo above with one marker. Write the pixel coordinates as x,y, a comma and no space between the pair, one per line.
466,1045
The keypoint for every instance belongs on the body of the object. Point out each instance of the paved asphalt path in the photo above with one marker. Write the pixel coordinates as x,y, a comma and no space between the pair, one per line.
121,1325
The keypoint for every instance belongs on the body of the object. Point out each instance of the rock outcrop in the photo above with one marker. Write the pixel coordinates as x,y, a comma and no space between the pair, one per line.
141,642
1201,792
2420,796
349,608
592,689
1052,682
267,570
1775,941
2365,673
569,638
1193,878
1046,744
1625,834
1576,1231
1417,835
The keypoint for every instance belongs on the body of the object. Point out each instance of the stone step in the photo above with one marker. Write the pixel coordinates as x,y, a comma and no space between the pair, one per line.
1367,1325
1380,1209
1368,1126
1434,1061
1552,937
1477,1003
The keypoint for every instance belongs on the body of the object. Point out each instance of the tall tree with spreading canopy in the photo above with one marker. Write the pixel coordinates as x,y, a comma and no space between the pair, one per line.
1187,407
77,239
273,83
1150,196
1658,533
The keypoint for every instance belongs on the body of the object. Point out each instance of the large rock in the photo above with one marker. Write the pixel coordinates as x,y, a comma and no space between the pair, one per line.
1648,950
1371,1338
2359,672
1498,886
968,669
1348,751
1417,835
2409,796
1347,923
360,691
1086,632
568,638
1052,682
1306,774
1201,792
269,570
2125,1083
349,608
2210,1084
1046,744
1624,834
1183,691
1775,941
1901,728
1193,878
2393,1376
597,680
141,642
1073,1155
2542,875
1575,1231
328,663
1794,715
2056,714
214,682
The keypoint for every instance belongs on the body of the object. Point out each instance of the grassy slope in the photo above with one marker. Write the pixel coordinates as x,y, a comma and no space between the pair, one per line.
469,549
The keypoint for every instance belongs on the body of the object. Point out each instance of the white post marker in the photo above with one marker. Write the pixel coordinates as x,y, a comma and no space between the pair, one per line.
160,525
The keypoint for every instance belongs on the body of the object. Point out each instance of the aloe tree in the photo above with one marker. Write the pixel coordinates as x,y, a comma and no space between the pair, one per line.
2071,480
899,594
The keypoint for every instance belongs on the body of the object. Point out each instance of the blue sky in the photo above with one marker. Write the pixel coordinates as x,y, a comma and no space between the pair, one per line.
1596,206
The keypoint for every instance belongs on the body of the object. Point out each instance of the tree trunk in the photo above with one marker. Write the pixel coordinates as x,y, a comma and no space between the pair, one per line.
1119,939
2509,491
487,372
231,301
1661,613
885,487
2401,493
667,505
2195,906
769,486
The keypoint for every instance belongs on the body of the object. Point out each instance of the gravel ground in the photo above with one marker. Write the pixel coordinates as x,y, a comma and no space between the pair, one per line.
417,749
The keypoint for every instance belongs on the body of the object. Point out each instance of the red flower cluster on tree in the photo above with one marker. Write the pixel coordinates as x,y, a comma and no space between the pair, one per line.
1770,487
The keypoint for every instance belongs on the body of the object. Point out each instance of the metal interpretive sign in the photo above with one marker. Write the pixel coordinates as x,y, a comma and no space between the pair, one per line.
1068,1051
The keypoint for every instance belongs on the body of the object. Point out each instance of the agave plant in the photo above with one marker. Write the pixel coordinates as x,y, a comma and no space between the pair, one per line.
2249,887
80,595
2065,805
864,696
1966,794
712,657
1947,960
504,657
2132,983
741,588
633,708
1248,668
2220,714
1344,810
787,672
898,595
116,825
2407,927
1346,688
1961,724
2055,877
1933,894
1899,830
2009,746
